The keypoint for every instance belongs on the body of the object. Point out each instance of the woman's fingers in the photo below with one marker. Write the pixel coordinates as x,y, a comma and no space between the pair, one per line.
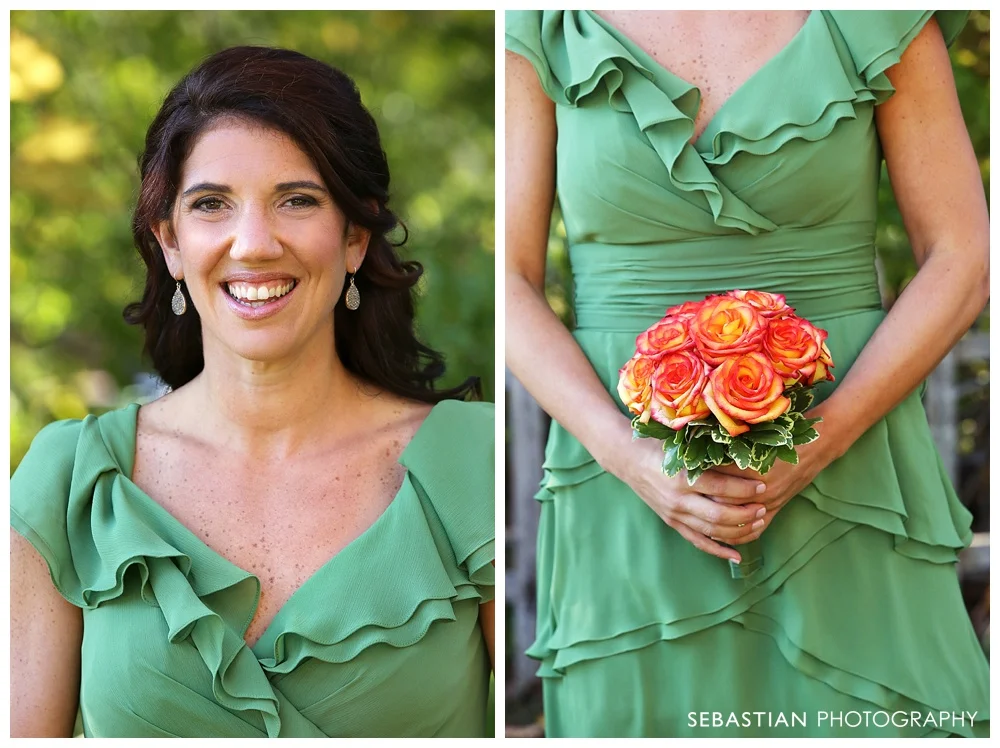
745,538
705,544
717,514
729,489
726,533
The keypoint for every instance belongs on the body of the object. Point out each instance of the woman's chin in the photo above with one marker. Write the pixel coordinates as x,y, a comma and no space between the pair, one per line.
262,347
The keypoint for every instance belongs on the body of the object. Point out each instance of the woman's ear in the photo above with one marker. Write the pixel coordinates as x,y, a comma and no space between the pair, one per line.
358,238
168,244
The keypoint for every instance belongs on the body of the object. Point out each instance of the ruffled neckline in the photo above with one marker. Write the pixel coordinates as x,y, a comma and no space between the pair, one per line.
688,98
579,55
207,599
124,446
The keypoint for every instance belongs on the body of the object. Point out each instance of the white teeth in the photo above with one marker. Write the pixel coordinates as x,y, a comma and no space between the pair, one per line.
256,296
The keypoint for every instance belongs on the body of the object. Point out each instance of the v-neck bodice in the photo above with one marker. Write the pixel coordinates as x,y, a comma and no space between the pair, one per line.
391,619
771,158
128,428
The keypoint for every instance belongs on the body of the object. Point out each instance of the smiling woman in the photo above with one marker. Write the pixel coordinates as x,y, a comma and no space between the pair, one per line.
297,540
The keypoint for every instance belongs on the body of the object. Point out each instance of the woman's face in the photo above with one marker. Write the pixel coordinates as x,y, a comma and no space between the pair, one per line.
259,242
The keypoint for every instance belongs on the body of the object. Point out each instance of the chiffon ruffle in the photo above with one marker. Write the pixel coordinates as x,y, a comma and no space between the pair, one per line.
424,560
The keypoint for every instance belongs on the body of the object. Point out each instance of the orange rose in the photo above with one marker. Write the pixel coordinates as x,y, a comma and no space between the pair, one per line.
634,385
823,365
768,304
666,336
743,390
725,327
686,310
677,386
794,346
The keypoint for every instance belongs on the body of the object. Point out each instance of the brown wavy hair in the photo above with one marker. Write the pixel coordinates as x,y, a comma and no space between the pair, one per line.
318,107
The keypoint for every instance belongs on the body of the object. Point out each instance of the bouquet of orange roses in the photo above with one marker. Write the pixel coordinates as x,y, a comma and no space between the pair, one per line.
726,381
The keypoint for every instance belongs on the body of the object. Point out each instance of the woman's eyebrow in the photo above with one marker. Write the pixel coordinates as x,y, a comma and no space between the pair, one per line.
206,187
282,187
300,185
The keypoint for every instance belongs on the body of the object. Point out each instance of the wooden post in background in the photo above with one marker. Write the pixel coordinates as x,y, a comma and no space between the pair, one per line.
526,431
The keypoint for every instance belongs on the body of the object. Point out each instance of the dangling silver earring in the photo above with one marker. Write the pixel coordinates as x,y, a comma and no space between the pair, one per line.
178,304
352,300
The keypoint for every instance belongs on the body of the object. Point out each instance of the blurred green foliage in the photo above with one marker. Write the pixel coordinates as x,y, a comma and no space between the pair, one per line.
84,87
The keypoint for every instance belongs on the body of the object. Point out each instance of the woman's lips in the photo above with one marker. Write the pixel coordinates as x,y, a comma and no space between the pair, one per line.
253,310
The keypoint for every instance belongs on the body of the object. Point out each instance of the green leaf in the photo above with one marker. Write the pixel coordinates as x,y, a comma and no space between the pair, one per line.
693,474
788,454
722,437
716,453
767,426
801,397
740,452
767,462
653,429
804,431
697,431
804,423
697,450
785,421
775,438
809,435
672,462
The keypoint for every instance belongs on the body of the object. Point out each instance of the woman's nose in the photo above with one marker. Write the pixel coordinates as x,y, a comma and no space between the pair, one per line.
255,236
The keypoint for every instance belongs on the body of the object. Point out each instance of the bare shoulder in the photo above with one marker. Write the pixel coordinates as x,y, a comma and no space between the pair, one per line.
397,417
162,417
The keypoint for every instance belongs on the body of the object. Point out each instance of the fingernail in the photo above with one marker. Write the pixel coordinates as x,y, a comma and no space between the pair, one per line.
735,559
761,487
761,512
757,525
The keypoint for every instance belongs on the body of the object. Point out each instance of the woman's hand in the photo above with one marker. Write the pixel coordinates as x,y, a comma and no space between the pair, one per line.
785,480
724,507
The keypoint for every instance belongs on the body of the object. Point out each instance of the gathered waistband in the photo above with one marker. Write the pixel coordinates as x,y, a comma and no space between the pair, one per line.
823,272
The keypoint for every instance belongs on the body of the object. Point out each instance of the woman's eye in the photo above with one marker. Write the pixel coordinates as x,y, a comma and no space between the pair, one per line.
209,204
300,201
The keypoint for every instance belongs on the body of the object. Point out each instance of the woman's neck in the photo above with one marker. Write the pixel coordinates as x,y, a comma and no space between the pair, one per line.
276,408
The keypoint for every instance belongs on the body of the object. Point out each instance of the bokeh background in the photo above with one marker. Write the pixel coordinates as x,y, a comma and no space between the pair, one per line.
957,402
84,87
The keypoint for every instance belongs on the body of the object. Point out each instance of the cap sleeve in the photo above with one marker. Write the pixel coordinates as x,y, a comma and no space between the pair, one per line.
523,34
453,464
877,39
40,498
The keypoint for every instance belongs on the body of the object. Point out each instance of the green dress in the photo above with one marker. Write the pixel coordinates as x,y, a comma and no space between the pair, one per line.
857,609
383,640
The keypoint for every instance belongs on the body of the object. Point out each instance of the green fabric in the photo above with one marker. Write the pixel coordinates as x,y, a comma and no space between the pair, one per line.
858,606
383,640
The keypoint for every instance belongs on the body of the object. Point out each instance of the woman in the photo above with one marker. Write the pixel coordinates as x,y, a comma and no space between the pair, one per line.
297,540
703,152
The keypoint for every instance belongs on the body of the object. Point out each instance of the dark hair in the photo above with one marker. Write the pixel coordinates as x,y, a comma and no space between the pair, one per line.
319,107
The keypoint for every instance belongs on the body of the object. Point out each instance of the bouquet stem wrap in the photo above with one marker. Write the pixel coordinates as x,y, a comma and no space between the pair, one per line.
751,560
